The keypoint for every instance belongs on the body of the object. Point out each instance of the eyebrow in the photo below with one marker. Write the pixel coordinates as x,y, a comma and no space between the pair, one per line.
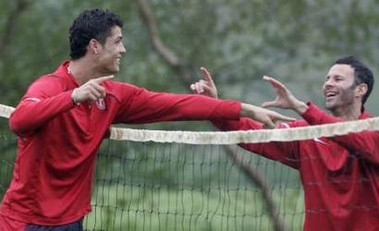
338,75
118,38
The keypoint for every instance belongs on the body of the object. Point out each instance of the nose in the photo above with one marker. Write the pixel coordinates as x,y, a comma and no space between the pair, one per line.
329,82
123,49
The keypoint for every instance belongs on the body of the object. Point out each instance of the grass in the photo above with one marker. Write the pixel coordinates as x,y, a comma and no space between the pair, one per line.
148,208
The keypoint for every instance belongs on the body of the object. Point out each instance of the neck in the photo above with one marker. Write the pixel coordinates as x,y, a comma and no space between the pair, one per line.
82,71
348,113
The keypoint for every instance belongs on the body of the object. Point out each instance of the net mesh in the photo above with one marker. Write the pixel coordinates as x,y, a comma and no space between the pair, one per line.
175,180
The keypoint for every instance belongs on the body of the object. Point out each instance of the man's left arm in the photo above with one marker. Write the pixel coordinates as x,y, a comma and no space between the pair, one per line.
363,143
142,106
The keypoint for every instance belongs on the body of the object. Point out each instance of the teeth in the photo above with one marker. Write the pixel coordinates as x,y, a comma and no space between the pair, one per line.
330,94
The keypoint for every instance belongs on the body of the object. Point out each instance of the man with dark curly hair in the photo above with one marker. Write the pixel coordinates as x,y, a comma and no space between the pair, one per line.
64,116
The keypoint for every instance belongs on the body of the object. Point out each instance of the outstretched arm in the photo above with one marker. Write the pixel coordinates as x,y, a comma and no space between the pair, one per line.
207,87
361,143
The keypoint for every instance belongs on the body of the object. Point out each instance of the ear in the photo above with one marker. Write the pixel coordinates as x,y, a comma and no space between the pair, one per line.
94,46
361,90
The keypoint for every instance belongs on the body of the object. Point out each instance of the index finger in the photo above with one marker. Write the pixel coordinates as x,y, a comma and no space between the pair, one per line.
207,76
286,118
103,78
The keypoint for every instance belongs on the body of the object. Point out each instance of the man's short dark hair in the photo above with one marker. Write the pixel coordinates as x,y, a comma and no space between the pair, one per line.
363,74
91,24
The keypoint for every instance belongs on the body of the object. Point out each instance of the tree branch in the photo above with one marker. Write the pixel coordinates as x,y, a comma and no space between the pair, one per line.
256,177
177,66
167,55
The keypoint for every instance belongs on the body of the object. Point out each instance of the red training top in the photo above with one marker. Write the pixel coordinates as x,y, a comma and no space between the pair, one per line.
340,175
58,141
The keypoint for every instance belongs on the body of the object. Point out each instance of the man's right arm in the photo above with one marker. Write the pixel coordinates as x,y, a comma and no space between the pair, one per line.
43,100
48,97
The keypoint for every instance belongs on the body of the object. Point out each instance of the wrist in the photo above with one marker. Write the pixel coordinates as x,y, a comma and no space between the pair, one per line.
300,107
247,110
73,99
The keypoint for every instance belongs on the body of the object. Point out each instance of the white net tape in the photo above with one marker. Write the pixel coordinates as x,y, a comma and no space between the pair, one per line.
5,111
235,137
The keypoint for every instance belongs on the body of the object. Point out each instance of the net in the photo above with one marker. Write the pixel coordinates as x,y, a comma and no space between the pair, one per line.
176,180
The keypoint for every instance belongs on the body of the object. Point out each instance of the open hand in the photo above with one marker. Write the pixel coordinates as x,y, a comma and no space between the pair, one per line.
284,98
267,117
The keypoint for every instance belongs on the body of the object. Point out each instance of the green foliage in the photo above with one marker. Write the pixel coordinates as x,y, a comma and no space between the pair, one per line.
295,41
8,150
239,41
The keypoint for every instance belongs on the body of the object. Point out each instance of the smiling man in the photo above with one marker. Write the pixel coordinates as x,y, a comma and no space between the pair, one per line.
347,89
340,175
64,116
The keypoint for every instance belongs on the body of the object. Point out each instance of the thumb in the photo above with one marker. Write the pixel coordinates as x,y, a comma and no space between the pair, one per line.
269,104
286,118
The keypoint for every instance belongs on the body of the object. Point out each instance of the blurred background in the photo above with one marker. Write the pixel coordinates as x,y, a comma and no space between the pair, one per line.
295,41
167,42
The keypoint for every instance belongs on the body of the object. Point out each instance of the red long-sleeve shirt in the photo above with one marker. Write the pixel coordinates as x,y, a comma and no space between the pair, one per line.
58,141
340,175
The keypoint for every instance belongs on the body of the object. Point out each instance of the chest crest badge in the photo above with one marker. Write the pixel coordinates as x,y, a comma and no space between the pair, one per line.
100,104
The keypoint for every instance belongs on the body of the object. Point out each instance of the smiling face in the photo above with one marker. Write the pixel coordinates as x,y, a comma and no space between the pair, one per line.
108,55
339,88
